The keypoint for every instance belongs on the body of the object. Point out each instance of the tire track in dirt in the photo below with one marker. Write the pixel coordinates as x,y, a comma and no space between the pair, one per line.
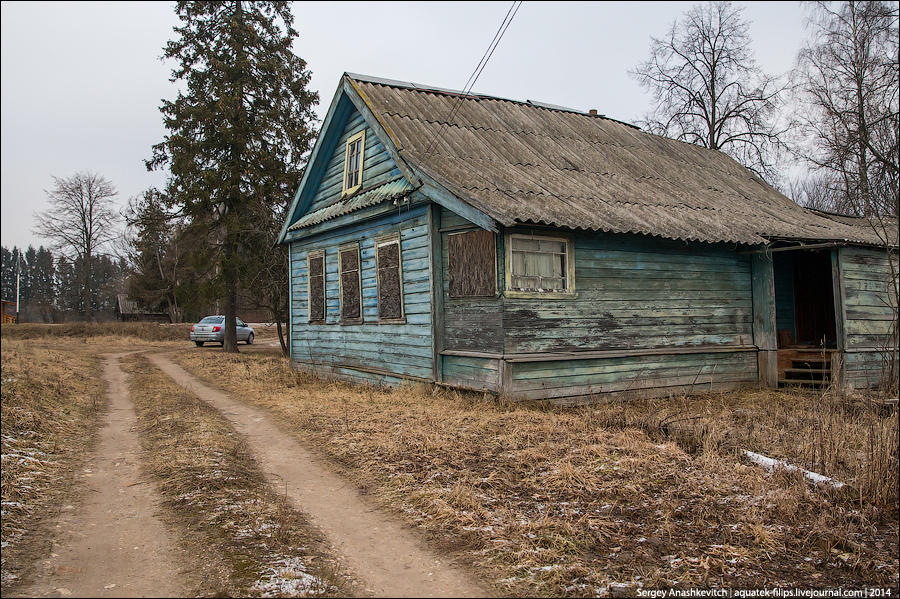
388,558
112,544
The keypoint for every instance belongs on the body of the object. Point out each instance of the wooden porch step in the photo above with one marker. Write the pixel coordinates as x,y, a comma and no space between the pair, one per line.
814,364
803,382
807,370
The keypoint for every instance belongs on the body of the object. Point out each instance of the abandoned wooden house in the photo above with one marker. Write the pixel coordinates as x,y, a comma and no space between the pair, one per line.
541,252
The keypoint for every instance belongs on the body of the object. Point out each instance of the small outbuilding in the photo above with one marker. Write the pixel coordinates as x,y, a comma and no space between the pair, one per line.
7,312
541,252
128,310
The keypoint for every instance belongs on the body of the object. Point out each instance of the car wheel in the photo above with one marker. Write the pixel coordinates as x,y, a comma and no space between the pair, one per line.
199,343
250,339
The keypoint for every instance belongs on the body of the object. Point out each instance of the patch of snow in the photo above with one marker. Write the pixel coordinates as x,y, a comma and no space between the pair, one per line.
289,578
770,464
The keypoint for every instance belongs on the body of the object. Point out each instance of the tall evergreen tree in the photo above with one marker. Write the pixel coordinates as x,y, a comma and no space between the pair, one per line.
7,273
239,130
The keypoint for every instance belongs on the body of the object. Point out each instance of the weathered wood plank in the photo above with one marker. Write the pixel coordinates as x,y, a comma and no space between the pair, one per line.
764,323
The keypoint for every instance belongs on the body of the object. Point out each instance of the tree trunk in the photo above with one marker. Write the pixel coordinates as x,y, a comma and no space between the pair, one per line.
230,339
284,347
86,291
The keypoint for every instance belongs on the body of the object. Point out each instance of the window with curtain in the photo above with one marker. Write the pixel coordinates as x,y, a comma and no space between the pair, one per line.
539,264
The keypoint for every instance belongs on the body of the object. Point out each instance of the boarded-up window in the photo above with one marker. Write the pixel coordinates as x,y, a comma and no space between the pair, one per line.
472,258
390,286
315,263
538,263
350,295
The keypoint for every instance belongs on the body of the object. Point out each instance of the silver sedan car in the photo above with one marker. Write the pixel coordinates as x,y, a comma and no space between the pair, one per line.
212,329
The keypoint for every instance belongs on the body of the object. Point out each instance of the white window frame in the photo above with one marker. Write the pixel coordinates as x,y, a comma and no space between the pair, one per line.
309,257
361,137
393,239
569,269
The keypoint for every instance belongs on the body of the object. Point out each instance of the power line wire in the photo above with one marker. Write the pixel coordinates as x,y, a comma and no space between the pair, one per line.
479,68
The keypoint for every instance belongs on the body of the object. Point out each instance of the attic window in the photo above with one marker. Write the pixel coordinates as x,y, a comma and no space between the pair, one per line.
353,162
351,298
315,263
390,280
540,264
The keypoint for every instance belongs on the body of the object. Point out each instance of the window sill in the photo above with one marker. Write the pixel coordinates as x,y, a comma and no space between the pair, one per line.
350,321
349,192
391,321
569,295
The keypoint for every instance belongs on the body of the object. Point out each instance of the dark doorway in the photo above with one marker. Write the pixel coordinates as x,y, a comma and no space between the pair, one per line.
814,299
804,299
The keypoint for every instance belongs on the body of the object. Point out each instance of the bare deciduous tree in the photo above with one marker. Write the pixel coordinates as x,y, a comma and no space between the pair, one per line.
849,82
708,90
850,111
81,220
819,192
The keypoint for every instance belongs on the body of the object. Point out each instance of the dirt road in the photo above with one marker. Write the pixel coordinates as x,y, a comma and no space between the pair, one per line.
388,557
112,545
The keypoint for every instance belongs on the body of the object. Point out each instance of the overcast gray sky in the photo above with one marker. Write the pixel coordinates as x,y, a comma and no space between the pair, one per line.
82,82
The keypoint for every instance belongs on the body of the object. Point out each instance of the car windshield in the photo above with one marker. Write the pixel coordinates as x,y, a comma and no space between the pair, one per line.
213,320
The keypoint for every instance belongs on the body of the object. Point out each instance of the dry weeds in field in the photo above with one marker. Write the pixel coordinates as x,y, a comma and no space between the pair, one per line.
119,331
551,501
850,439
51,407
249,540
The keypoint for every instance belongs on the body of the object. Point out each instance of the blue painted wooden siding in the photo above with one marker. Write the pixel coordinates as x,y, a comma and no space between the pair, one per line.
378,167
870,307
646,375
401,348
636,293
470,323
633,293
472,372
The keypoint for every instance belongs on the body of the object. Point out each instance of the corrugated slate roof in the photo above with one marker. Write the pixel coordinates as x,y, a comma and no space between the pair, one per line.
531,163
387,191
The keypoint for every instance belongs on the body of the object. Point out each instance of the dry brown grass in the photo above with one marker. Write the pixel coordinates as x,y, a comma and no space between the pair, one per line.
551,501
121,331
248,539
848,438
51,408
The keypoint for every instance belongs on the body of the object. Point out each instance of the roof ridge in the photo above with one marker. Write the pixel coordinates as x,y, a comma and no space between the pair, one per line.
479,96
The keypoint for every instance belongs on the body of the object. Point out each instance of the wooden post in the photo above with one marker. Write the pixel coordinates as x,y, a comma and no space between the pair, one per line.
840,320
764,333
437,291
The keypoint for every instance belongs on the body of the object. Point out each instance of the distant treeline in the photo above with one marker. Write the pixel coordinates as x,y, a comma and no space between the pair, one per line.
50,286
